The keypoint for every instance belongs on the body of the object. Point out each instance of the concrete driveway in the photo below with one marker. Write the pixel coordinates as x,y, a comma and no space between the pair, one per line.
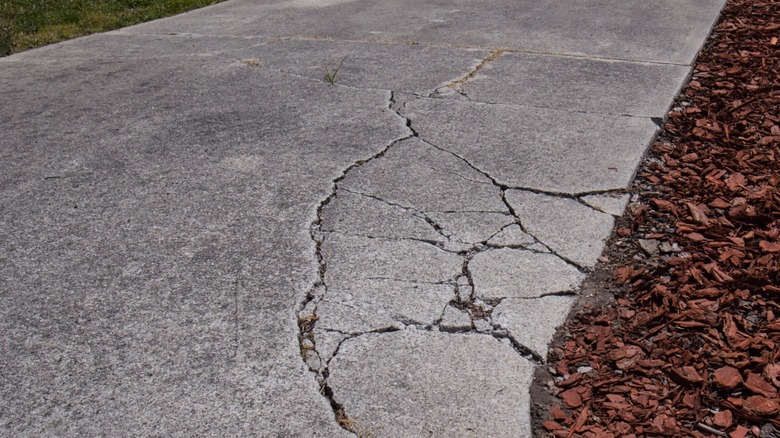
201,236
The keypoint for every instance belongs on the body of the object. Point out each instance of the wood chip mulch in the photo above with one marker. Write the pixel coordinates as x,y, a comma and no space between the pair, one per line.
691,346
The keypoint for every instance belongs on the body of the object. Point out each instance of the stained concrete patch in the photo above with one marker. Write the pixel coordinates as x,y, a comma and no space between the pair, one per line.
472,227
578,84
350,258
664,30
614,204
516,273
412,383
360,215
417,175
550,150
511,236
532,323
411,68
366,305
570,229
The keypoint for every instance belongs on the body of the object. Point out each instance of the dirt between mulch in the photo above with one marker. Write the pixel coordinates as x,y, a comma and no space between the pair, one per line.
677,332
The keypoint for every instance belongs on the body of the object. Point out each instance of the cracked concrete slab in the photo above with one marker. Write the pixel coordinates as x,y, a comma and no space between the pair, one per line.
193,219
413,383
511,236
355,214
574,231
532,322
360,306
664,31
143,290
578,84
351,258
524,147
515,273
417,175
390,67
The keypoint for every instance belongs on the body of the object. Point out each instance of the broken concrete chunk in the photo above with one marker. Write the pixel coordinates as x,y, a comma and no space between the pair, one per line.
472,227
413,383
538,247
649,246
512,236
366,305
516,273
360,215
532,323
570,229
465,291
613,204
455,320
350,258
417,175
483,325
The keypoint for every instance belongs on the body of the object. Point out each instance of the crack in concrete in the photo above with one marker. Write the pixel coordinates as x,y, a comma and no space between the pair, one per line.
395,42
457,85
466,297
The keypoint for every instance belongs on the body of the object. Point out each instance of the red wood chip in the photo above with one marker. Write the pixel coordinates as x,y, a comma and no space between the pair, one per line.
571,398
723,419
761,406
772,373
758,385
739,432
727,377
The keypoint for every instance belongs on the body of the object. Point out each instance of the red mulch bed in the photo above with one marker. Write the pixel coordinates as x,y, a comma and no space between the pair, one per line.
691,346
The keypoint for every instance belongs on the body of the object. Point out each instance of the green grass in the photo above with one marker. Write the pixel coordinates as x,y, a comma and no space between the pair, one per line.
25,24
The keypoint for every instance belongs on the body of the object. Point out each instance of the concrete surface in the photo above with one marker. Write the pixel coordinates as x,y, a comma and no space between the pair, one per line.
201,237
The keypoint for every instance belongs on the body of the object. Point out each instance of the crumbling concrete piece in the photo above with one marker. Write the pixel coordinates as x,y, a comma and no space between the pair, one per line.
455,320
532,323
360,215
413,384
516,273
572,230
365,305
511,236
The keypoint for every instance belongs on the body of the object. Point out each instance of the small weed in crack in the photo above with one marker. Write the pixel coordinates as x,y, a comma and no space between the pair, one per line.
330,76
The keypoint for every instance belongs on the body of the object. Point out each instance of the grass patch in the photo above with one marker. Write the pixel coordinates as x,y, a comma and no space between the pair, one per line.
25,24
